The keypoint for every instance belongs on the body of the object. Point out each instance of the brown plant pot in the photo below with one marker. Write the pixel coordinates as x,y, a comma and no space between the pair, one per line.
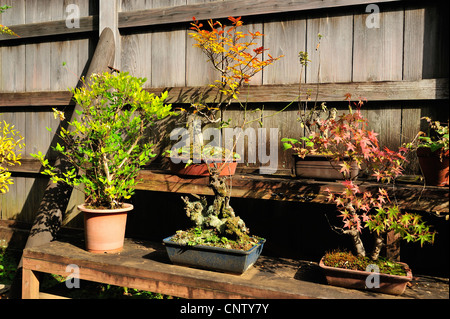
320,167
434,170
201,169
356,279
104,229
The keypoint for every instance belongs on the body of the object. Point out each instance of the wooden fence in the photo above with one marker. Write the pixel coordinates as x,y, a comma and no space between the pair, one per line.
397,59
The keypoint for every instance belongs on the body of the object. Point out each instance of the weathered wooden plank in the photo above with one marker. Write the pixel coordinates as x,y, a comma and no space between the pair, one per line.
51,28
430,89
377,53
284,37
144,265
218,9
168,52
136,47
413,197
30,284
373,91
331,55
42,98
413,43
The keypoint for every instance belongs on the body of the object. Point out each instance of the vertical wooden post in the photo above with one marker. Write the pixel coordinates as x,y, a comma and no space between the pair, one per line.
30,284
109,18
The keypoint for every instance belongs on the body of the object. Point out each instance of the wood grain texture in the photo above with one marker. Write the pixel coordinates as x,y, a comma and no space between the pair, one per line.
145,265
431,89
377,51
219,9
432,199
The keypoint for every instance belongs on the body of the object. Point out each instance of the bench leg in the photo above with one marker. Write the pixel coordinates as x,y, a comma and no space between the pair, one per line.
30,284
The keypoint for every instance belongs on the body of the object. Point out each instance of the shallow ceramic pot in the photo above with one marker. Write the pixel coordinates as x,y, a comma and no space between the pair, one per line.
320,167
104,229
435,171
213,258
356,279
201,169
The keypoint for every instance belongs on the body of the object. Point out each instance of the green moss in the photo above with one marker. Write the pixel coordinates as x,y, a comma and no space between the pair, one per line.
346,260
210,237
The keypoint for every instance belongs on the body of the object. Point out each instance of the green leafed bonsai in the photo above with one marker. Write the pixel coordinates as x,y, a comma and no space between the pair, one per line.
105,145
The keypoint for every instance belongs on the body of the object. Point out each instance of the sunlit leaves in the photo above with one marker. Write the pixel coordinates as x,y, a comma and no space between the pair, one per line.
232,52
10,145
104,143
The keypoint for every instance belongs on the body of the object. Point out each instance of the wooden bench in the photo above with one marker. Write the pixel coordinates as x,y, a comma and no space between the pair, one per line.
145,265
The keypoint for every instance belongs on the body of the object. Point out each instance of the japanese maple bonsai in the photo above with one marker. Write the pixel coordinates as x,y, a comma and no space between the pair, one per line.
105,147
347,138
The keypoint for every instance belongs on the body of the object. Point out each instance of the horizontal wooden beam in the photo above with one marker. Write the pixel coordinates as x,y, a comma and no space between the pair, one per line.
50,28
274,187
408,196
224,9
429,89
43,98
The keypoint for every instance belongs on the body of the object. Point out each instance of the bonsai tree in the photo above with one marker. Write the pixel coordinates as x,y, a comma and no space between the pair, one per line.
347,139
237,59
106,146
10,144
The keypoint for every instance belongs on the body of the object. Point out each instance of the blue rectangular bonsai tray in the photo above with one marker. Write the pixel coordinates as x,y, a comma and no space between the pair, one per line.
213,258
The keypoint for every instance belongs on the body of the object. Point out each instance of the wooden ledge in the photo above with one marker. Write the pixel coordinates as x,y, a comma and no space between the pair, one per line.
285,188
145,265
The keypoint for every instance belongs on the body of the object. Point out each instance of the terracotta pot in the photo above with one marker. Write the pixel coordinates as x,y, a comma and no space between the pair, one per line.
201,169
356,279
320,167
434,170
104,229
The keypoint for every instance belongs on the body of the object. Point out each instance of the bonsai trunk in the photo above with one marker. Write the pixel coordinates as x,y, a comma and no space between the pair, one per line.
357,242
379,243
220,215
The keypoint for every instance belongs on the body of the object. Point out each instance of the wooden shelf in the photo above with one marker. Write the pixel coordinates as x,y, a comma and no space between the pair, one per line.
286,188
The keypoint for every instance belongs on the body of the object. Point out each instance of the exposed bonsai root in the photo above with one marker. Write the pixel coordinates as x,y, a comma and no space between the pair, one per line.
219,215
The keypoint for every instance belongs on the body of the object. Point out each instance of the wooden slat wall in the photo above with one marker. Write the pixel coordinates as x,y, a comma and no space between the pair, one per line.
410,45
34,67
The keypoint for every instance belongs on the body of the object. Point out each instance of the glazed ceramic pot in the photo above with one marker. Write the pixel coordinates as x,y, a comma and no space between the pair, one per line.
213,258
104,229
